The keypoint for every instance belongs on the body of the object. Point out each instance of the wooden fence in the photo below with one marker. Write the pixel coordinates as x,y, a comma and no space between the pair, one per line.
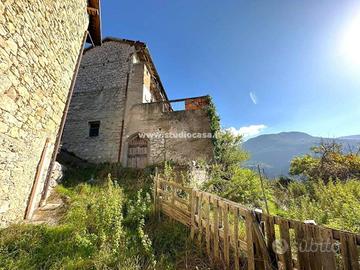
235,237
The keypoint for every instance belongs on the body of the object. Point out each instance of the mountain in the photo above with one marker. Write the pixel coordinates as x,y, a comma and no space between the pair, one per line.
275,151
352,137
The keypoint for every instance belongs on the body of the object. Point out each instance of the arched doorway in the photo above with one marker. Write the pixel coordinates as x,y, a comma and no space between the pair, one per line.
137,152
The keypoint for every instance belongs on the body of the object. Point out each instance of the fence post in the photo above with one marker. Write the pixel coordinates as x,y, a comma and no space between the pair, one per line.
236,237
226,235
250,241
156,203
200,214
216,229
193,212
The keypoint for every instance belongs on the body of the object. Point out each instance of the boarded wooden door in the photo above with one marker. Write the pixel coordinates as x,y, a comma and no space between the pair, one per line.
137,152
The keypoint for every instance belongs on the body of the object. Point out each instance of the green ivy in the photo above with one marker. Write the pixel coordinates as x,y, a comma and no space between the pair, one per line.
214,127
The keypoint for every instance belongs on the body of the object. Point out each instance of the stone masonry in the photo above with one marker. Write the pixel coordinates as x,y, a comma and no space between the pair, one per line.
119,88
99,95
39,46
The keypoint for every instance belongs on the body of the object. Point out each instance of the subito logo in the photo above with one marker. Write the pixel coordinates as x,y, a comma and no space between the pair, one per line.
280,246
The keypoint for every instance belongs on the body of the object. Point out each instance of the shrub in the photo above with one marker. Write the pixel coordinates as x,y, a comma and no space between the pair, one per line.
91,236
336,204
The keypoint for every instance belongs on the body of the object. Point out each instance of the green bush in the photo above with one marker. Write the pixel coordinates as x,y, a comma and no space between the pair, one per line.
90,236
336,204
105,227
328,162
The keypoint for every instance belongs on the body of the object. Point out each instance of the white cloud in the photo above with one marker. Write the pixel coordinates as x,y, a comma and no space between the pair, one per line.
247,132
253,97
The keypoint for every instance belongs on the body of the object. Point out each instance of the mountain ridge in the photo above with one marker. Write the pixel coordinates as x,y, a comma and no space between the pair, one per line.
275,151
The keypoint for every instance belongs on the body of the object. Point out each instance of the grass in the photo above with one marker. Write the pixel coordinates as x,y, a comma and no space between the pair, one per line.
109,224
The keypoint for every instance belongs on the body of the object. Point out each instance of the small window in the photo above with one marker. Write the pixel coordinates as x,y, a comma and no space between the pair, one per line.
94,127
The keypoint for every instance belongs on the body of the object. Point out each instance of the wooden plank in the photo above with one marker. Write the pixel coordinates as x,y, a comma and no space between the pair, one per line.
302,255
184,211
345,251
216,230
93,11
242,209
225,208
207,220
193,212
313,239
315,255
176,185
236,238
336,233
260,242
173,190
250,241
353,252
182,201
286,258
349,251
191,194
200,214
35,187
155,195
270,238
198,217
168,210
328,260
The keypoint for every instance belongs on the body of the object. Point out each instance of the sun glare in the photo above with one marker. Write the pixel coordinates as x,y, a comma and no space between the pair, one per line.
350,47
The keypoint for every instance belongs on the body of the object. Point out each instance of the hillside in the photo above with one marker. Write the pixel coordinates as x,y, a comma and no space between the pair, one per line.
275,151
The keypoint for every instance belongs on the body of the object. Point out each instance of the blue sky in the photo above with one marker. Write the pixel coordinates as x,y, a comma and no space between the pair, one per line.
270,66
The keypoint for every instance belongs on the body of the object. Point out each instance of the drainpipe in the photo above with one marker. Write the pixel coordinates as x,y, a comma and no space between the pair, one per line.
62,123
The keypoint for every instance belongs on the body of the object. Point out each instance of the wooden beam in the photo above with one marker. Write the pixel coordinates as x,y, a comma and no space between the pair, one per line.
95,21
93,11
30,206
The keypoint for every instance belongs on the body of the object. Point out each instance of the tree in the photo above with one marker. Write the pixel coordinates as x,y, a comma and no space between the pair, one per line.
229,153
328,162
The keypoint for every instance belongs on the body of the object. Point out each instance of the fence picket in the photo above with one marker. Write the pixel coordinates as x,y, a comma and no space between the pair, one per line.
207,226
200,214
349,251
225,208
250,242
315,261
302,256
217,221
328,259
236,237
285,258
270,238
216,229
345,252
353,252
193,212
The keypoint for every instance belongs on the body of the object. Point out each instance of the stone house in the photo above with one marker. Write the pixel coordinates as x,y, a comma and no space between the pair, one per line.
120,112
41,44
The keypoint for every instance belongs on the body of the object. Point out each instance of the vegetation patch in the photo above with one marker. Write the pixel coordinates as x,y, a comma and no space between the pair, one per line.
109,224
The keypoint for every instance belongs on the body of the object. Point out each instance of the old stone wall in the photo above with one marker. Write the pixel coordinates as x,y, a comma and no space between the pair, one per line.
117,89
163,127
99,96
39,46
